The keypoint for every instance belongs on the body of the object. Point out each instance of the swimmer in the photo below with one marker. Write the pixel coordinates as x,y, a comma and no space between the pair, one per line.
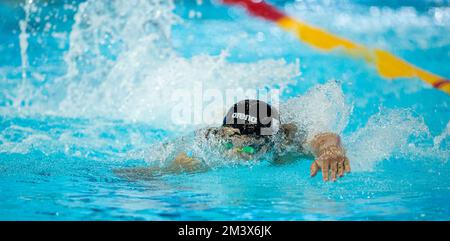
250,129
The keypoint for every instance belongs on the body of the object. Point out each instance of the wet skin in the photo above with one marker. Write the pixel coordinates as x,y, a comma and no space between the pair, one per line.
326,148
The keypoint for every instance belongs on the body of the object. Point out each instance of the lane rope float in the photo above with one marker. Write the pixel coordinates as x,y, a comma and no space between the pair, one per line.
388,65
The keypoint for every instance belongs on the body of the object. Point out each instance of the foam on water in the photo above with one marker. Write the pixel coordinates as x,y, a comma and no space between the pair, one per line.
94,139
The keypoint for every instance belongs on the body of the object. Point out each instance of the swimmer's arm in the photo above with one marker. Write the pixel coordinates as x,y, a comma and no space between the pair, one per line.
325,148
329,156
290,138
215,132
181,164
206,132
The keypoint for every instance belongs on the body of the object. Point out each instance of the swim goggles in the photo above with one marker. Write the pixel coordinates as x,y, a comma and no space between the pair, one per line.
252,149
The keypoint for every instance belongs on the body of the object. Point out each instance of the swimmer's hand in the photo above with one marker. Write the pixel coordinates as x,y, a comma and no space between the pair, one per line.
330,156
181,164
184,163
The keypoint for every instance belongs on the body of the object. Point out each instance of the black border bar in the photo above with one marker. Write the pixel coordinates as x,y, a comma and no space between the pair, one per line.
237,230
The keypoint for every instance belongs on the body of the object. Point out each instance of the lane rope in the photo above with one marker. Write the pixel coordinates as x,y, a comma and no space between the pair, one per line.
388,65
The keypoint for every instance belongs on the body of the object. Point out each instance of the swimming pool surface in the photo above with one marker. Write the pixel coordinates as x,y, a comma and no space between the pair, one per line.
80,95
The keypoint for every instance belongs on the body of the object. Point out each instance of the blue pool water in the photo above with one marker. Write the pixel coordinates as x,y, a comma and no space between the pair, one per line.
80,85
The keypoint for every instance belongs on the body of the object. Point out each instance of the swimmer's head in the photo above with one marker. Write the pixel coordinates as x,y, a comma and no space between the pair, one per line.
253,117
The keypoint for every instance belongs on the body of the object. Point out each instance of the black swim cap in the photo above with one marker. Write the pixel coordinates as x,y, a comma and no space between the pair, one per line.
253,117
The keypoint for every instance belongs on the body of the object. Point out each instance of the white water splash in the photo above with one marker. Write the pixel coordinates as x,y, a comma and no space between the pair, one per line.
388,134
322,109
391,133
23,93
443,140
120,65
23,38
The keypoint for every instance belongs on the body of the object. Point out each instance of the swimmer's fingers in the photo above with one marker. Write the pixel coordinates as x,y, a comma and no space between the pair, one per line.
334,170
341,167
314,168
325,169
347,165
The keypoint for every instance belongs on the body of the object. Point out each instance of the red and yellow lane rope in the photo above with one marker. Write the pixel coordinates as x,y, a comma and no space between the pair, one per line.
388,65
